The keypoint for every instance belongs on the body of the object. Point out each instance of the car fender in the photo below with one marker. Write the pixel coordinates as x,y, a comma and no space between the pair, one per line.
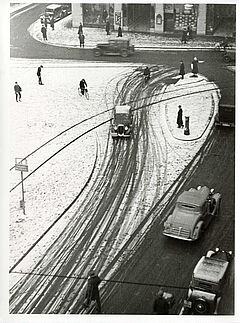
197,230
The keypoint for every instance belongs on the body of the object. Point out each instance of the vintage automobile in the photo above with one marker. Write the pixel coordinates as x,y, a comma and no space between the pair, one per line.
121,125
114,47
225,115
193,212
208,280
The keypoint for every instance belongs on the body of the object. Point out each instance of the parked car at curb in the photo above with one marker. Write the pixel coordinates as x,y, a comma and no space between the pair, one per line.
121,125
193,212
114,47
225,115
205,289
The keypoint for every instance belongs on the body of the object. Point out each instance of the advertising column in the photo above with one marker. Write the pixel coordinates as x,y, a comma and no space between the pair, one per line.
202,17
118,20
159,17
77,15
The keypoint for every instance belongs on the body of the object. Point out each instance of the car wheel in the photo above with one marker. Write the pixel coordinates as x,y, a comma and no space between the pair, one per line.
200,306
226,59
124,53
97,52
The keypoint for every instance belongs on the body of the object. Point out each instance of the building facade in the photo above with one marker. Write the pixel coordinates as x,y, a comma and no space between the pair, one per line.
203,19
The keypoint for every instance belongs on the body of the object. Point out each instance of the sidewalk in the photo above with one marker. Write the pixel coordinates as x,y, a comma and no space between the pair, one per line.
66,36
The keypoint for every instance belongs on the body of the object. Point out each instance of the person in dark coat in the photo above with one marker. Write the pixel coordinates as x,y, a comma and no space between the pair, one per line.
184,36
17,90
119,32
160,305
105,15
182,69
81,39
108,27
189,32
179,117
44,32
52,23
92,293
45,22
39,71
194,67
80,29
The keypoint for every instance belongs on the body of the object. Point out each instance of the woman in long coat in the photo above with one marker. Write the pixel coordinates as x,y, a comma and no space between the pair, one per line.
179,117
182,69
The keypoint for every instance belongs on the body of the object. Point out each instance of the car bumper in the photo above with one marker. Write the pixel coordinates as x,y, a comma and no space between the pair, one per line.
177,236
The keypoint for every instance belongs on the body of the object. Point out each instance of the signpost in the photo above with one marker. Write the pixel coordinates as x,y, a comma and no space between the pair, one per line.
21,165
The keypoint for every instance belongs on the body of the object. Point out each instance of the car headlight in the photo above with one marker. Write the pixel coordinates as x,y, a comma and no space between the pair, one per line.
126,128
115,127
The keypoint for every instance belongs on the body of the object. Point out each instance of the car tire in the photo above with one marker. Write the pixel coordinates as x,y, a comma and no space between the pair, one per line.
97,52
124,53
201,307
226,59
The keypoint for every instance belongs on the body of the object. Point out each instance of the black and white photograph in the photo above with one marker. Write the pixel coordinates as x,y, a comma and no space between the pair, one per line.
121,154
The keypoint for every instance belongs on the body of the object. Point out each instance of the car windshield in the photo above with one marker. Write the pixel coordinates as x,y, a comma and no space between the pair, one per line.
188,207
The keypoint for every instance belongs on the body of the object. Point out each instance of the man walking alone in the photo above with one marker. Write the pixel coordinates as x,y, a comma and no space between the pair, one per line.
92,293
39,75
17,90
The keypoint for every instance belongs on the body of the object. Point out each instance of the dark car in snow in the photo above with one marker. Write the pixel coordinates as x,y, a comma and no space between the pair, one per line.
193,212
206,287
226,113
121,126
114,47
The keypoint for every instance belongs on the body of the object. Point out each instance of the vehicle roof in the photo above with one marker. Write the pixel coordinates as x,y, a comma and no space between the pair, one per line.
194,196
210,269
122,109
119,40
53,6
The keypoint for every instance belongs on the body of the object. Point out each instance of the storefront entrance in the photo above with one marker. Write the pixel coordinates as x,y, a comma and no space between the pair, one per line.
139,17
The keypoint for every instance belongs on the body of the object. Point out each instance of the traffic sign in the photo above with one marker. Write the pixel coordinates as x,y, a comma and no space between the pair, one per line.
21,164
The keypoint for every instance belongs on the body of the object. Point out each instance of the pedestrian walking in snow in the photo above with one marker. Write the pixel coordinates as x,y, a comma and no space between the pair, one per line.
108,27
80,29
45,22
184,36
182,69
81,40
160,305
179,117
189,32
39,74
105,15
119,32
194,66
52,23
44,32
17,90
92,293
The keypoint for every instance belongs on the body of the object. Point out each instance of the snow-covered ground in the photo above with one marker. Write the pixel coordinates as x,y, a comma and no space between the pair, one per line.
64,35
47,110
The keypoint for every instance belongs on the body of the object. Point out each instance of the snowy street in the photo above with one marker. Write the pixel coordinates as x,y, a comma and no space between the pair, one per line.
129,177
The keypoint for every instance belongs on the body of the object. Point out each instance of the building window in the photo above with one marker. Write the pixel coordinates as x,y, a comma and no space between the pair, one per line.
96,14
